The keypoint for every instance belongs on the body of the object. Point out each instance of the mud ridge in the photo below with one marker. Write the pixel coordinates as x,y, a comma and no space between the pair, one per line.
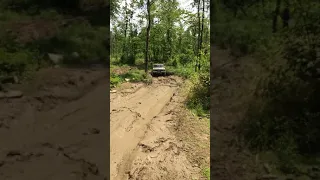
88,167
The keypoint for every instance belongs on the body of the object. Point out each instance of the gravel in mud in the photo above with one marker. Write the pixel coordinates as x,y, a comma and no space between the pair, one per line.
143,145
58,129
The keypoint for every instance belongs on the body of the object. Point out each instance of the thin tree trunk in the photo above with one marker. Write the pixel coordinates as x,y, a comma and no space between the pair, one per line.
125,29
214,11
147,38
275,17
201,37
199,32
286,15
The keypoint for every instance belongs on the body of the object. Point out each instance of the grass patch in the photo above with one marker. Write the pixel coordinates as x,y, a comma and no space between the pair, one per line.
134,75
182,71
198,100
115,80
206,173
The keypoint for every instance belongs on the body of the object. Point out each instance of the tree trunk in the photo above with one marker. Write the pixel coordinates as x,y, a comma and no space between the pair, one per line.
199,32
214,11
147,38
275,17
125,29
201,37
286,16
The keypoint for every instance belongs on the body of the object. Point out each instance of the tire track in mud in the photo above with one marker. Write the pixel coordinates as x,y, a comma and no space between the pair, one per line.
142,146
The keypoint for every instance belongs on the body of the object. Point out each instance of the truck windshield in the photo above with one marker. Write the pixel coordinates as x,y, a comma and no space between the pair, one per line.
158,65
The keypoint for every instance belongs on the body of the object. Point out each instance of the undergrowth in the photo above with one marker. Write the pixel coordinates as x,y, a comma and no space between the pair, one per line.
284,113
79,37
131,76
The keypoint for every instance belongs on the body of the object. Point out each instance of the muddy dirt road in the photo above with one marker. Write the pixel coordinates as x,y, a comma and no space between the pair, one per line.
58,129
142,144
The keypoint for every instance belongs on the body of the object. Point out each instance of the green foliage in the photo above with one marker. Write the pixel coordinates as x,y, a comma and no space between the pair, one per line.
129,59
17,57
186,58
50,14
134,75
183,71
199,97
206,173
7,16
84,39
242,37
284,113
15,63
115,80
173,41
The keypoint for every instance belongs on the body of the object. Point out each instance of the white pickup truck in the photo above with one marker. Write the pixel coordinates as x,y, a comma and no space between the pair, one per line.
158,69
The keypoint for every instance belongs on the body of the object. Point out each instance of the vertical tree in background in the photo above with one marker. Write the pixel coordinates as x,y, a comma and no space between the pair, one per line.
275,17
200,11
147,35
199,32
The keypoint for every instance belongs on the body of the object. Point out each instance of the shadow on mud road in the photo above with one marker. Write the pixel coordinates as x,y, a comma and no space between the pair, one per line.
158,75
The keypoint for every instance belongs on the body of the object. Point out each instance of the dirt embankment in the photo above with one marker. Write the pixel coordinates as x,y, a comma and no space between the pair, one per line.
58,129
144,126
231,86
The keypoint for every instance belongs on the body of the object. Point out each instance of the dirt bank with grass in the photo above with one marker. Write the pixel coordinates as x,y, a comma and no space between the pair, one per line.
232,88
146,126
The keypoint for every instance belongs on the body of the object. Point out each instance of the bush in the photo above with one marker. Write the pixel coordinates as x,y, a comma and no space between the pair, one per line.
199,97
240,36
15,63
87,41
285,115
132,75
129,59
115,80
135,75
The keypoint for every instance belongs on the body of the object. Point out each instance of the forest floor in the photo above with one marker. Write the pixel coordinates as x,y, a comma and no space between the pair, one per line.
153,136
232,86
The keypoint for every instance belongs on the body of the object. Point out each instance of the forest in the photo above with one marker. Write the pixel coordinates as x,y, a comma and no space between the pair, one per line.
283,39
38,34
147,32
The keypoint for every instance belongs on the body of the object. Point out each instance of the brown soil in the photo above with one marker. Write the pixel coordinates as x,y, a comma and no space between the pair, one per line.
145,133
30,30
58,129
231,87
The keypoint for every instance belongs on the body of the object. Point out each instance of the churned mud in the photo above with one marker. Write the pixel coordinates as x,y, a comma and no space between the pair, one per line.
143,141
58,128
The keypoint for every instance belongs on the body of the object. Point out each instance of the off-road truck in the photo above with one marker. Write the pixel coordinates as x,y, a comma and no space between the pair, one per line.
158,69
